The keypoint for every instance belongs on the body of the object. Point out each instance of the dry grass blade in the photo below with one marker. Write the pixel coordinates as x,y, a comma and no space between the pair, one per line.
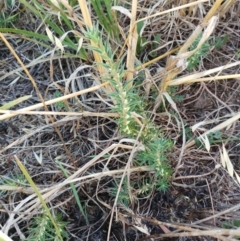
204,139
216,233
214,78
189,231
237,177
172,10
84,113
177,65
85,12
4,237
144,65
218,128
226,161
225,6
132,44
197,77
222,159
209,19
207,32
25,190
198,30
14,102
33,107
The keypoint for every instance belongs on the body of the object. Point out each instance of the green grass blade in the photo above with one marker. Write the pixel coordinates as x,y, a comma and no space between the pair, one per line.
54,26
106,20
29,34
25,33
14,102
74,192
108,5
113,25
28,177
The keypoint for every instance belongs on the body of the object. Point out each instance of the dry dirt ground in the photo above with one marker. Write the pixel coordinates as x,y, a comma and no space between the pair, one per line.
200,189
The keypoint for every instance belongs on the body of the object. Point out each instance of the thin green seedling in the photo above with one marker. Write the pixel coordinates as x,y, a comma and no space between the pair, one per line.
141,40
74,190
45,207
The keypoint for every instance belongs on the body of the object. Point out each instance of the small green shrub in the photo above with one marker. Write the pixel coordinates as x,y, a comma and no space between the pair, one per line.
124,192
195,59
205,49
15,180
220,41
42,229
137,189
131,106
60,105
172,90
